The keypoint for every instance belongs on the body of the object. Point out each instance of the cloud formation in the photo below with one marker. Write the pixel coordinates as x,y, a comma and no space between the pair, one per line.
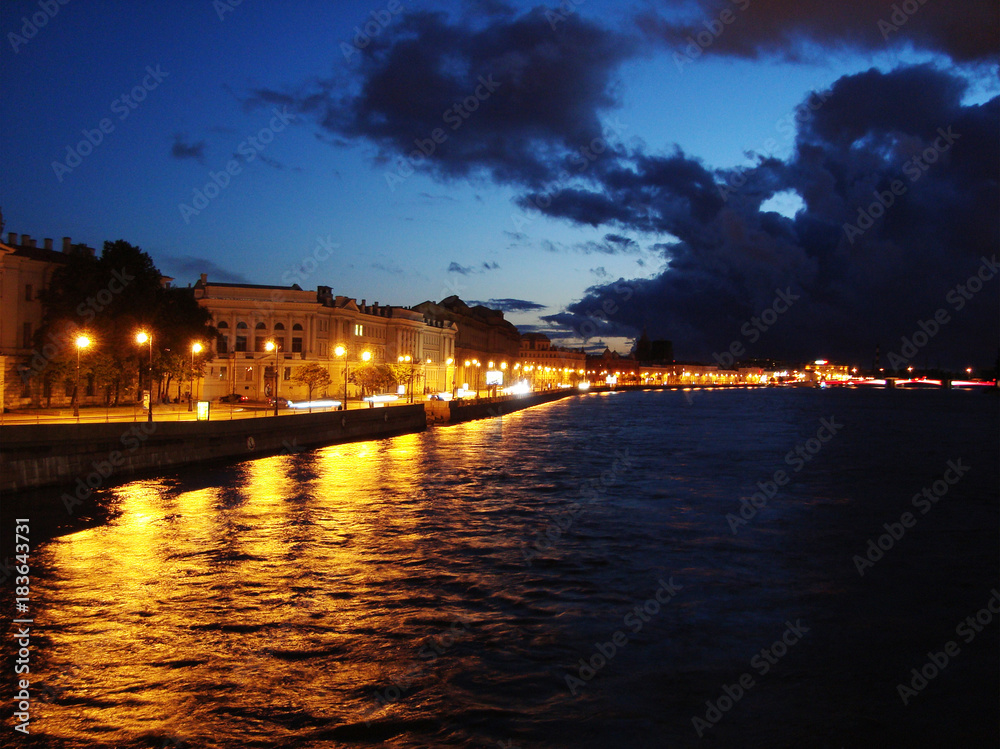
524,102
183,149
510,305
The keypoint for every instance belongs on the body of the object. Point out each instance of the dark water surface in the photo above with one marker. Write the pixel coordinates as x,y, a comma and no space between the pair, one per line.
438,589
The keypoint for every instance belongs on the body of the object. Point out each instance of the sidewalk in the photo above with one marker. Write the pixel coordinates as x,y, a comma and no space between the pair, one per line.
161,412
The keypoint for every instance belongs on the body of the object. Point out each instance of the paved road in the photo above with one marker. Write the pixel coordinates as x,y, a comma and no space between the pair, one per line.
170,412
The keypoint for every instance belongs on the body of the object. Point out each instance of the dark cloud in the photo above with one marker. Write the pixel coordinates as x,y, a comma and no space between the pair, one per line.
466,270
511,305
856,288
510,97
965,30
190,266
182,149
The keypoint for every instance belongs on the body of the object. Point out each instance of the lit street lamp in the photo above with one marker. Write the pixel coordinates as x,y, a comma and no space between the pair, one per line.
409,380
272,346
81,343
195,349
141,338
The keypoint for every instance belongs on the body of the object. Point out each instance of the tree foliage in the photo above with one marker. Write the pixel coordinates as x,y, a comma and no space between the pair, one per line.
373,378
111,298
313,376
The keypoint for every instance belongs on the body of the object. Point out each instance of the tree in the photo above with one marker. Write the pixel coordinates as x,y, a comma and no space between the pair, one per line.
313,376
111,298
373,378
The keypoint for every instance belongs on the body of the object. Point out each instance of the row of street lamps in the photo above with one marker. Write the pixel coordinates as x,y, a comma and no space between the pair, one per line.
142,337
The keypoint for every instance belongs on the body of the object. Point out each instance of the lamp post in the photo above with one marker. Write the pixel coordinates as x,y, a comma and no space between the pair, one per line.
341,351
366,356
144,337
449,363
273,346
195,349
81,343
409,379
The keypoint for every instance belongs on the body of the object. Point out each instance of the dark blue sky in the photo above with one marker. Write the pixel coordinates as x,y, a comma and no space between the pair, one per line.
580,172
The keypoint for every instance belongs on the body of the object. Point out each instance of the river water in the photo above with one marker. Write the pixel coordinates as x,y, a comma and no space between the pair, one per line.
565,576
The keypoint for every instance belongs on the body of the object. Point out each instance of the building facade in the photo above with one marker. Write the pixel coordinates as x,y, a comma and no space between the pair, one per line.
314,327
547,366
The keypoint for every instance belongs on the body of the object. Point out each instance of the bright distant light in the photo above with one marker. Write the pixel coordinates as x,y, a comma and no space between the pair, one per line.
584,386
315,404
820,362
382,398
518,388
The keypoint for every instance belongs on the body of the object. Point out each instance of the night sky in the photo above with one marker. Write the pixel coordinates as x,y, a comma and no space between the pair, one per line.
593,168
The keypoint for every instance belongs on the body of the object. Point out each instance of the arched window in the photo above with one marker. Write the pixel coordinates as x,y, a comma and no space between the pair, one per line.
260,337
279,336
241,336
222,341
296,339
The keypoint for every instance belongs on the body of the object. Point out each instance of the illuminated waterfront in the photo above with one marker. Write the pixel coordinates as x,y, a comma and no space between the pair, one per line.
443,586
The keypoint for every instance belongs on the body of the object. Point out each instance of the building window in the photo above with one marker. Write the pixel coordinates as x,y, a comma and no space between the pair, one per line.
296,345
29,293
222,344
288,373
249,374
241,336
223,371
26,335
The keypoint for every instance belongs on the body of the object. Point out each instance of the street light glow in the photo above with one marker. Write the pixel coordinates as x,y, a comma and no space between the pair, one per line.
142,337
196,348
340,351
366,355
82,341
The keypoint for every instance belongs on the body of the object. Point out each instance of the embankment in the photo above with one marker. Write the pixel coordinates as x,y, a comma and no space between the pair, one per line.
93,455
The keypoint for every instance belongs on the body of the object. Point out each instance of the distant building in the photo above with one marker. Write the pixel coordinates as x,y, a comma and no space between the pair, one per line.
308,327
545,365
483,337
25,271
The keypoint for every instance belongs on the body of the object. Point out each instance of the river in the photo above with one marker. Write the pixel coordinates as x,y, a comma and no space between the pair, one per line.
579,574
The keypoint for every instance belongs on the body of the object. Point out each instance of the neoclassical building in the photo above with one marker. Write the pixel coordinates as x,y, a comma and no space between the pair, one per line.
311,327
545,365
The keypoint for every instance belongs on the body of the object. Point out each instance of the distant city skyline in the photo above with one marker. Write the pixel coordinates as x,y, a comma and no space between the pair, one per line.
591,168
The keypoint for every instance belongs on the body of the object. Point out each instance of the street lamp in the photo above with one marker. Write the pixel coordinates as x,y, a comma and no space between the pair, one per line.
272,346
81,343
366,356
340,351
144,337
409,378
195,349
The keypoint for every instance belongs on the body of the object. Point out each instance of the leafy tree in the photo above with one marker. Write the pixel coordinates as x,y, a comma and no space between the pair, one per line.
110,298
373,378
313,376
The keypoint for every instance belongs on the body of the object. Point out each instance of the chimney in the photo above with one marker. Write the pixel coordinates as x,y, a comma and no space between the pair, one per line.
66,244
26,240
362,303
12,237
48,243
204,279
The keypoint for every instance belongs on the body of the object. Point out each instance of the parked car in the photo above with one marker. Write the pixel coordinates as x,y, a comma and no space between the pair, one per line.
233,398
282,402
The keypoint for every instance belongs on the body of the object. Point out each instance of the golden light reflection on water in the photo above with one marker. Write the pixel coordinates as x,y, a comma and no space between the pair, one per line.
291,565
